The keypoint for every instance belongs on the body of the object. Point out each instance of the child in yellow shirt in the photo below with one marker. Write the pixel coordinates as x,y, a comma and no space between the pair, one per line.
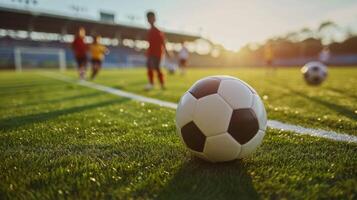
269,57
98,52
268,54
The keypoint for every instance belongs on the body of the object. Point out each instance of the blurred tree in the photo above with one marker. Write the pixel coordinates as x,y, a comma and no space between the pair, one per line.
326,32
310,47
349,46
306,42
305,33
292,36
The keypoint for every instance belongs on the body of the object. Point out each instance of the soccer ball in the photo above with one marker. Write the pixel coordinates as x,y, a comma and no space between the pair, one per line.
314,73
221,118
171,67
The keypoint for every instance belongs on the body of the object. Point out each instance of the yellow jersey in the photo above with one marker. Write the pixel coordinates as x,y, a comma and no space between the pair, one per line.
97,51
268,52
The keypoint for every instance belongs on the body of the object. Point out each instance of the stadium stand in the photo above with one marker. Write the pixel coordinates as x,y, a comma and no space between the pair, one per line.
64,26
50,23
59,31
119,56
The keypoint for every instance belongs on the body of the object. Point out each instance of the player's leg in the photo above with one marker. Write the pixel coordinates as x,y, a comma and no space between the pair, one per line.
268,66
150,73
272,66
160,75
83,68
96,65
99,67
81,62
78,66
93,68
182,66
275,67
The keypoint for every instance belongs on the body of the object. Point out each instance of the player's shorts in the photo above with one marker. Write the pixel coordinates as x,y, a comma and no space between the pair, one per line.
153,62
269,62
82,60
96,62
183,62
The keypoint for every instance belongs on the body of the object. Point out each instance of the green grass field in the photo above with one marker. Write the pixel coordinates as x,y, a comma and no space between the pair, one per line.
332,106
63,141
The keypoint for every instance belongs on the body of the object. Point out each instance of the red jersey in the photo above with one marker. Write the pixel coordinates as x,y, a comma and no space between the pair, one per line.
79,47
156,41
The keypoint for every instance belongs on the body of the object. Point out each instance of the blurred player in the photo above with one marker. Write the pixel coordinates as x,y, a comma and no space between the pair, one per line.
183,56
156,41
269,56
80,48
324,56
98,52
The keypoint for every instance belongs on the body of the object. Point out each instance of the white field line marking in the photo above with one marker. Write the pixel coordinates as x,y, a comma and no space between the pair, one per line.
274,124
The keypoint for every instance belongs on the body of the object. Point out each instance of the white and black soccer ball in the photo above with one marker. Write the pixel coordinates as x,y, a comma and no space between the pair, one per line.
314,72
221,118
171,67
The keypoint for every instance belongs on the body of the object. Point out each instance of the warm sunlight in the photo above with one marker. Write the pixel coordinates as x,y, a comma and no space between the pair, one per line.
178,99
233,23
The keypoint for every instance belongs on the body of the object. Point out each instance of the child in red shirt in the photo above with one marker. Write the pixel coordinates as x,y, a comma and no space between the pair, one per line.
156,41
80,48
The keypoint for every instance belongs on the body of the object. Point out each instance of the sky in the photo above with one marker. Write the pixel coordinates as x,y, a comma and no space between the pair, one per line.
232,23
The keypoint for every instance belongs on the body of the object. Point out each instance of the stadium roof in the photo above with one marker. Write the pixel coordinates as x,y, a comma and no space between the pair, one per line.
15,19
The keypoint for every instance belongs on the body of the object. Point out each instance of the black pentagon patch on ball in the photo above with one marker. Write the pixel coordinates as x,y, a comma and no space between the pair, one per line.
315,68
205,87
243,125
193,137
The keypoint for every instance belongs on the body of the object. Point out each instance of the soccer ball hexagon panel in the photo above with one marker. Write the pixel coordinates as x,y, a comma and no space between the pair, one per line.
214,151
221,118
212,115
242,97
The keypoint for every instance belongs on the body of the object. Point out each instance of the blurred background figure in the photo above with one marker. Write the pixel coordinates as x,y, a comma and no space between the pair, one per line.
98,52
80,48
156,40
269,56
324,55
183,56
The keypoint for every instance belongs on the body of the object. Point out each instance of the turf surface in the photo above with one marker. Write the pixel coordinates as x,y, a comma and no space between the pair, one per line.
331,106
64,141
